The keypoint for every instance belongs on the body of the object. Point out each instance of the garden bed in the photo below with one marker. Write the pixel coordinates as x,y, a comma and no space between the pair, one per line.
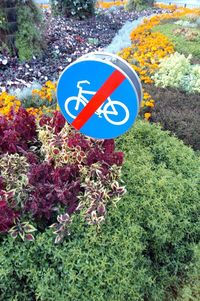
67,39
178,112
171,81
84,219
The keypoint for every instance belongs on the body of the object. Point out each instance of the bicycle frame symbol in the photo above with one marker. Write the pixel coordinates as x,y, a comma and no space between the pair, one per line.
107,110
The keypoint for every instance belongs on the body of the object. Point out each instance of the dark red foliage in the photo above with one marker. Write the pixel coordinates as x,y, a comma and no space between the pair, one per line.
31,158
24,123
114,158
45,120
56,123
109,146
17,131
76,139
108,157
7,215
52,187
9,140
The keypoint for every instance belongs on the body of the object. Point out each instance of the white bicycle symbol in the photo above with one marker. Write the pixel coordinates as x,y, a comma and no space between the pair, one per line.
107,109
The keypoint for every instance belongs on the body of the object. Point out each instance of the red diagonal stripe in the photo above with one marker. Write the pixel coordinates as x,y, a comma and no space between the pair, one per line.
115,79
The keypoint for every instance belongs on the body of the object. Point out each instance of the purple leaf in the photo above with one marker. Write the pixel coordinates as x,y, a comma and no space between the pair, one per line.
29,237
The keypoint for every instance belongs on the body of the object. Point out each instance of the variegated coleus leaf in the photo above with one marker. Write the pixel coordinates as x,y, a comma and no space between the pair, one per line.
23,230
61,228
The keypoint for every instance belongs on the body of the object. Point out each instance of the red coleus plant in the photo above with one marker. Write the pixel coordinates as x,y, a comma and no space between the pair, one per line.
52,187
17,131
56,123
7,214
65,173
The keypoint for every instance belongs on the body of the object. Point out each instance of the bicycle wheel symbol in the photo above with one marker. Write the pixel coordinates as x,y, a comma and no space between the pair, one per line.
109,115
74,104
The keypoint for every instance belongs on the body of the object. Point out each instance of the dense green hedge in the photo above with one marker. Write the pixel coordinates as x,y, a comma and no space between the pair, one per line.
144,251
191,288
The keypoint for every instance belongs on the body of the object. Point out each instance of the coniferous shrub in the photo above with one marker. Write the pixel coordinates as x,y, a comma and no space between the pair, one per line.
29,38
21,31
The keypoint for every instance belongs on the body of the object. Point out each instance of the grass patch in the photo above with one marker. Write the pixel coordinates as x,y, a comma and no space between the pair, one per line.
181,44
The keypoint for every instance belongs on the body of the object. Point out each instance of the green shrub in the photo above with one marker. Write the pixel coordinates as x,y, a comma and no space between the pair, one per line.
144,251
29,38
171,70
20,26
191,289
138,4
176,71
76,8
3,21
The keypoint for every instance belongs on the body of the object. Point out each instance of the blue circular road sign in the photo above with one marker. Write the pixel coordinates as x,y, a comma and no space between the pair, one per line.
99,95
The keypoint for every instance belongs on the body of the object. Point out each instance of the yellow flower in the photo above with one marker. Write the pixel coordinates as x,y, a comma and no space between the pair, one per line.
103,4
7,102
47,92
147,116
36,91
18,103
50,85
149,104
